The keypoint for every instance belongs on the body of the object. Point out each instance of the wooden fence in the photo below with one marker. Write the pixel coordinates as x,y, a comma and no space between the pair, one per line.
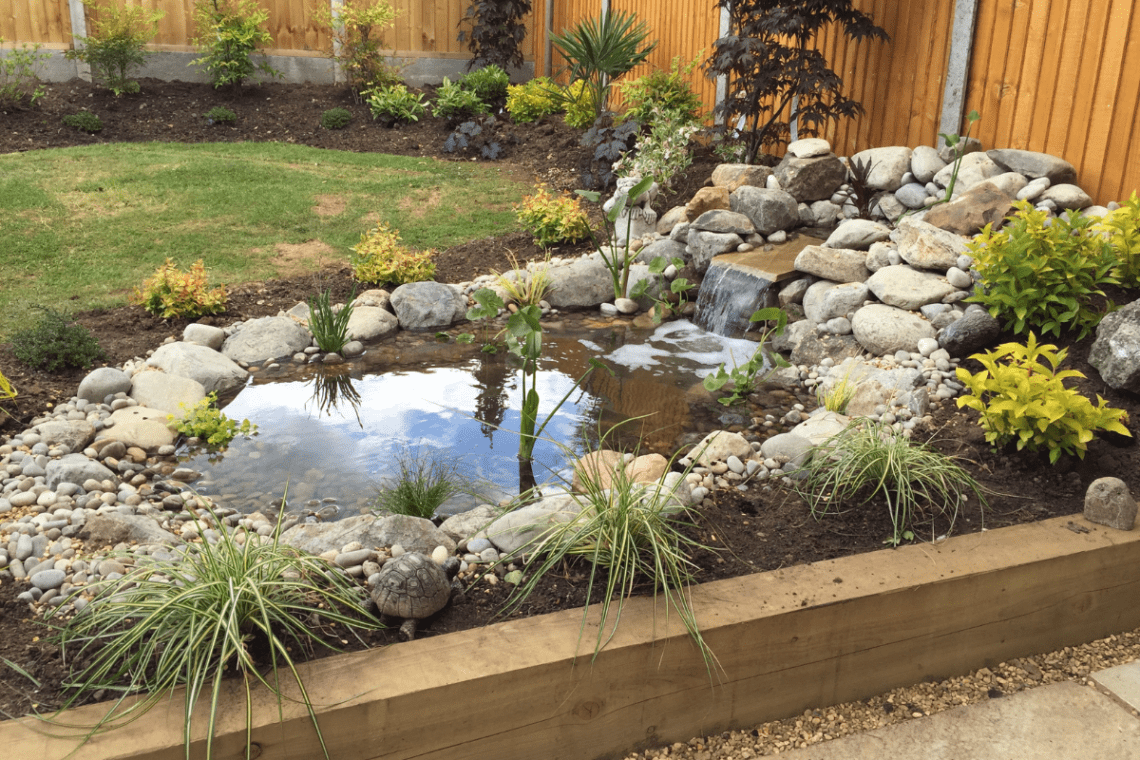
1058,76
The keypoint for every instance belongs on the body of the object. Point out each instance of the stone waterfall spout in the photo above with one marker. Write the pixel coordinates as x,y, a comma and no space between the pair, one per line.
729,295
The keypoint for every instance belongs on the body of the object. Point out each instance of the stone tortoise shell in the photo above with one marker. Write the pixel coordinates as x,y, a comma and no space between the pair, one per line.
413,586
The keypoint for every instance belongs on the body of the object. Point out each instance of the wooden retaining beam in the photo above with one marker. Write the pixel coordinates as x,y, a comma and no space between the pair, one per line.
786,640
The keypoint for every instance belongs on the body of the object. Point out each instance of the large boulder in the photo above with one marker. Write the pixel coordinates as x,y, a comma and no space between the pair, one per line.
732,176
975,168
825,299
74,434
103,382
706,199
1033,165
1116,351
883,329
983,204
371,323
415,534
267,338
703,246
77,469
166,393
138,426
924,246
427,305
723,221
888,165
925,163
908,288
214,371
858,234
976,330
769,210
581,284
111,529
1066,197
812,178
835,264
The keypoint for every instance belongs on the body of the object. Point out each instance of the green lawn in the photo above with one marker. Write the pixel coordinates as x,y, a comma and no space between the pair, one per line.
81,227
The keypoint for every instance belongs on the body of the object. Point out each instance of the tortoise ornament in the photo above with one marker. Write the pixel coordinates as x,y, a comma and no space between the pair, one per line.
412,586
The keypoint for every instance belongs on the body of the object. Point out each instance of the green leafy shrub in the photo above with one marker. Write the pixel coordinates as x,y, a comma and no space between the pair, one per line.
336,118
220,115
452,101
489,83
393,104
745,378
531,101
868,459
174,293
329,327
380,258
667,91
84,121
56,342
229,32
1039,274
1021,398
206,422
116,45
664,152
578,102
424,481
18,77
553,220
176,630
600,50
356,41
1122,229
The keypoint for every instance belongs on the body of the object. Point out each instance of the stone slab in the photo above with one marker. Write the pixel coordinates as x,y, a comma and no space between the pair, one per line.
1061,721
775,265
1123,681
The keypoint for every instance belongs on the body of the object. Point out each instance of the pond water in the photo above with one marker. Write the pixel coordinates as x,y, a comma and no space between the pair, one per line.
334,434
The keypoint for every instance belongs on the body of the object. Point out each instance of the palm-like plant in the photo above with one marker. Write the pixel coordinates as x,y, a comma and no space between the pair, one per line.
600,50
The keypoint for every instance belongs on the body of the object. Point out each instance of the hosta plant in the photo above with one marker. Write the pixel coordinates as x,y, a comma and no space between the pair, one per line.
1022,397
394,104
1043,274
174,293
379,257
453,101
553,219
489,83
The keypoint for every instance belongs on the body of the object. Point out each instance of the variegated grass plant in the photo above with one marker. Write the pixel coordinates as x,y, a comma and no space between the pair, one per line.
868,459
194,622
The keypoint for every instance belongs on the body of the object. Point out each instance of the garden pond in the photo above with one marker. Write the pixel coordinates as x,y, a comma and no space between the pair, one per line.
334,434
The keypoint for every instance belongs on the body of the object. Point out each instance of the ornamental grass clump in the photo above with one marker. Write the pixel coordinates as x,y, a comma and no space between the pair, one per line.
868,459
424,481
1022,398
632,536
329,326
194,622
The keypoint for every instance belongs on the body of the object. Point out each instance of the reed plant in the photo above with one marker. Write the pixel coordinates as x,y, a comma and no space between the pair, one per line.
868,459
194,622
330,326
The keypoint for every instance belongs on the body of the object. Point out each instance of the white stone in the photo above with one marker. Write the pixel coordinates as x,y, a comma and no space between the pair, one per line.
809,147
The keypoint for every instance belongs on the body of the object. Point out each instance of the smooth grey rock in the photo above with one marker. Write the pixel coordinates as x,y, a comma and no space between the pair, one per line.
75,468
581,284
888,165
413,533
266,338
671,218
1116,351
723,221
883,329
172,394
113,528
516,530
912,195
812,347
797,448
425,306
769,210
825,213
1034,189
907,288
959,279
925,246
103,382
1034,165
74,434
819,427
462,526
1109,502
1066,197
857,234
666,249
213,370
204,335
810,178
47,579
835,264
925,163
794,291
825,299
718,446
879,256
371,323
975,168
974,331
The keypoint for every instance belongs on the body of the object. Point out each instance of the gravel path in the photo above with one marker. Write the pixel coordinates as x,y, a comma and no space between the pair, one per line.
907,703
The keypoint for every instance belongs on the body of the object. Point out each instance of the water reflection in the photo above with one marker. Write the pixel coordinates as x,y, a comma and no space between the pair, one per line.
333,387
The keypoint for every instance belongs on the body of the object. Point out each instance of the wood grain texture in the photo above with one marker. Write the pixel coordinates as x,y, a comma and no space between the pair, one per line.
788,640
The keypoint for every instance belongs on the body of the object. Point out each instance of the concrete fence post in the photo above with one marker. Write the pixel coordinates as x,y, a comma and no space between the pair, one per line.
957,68
79,29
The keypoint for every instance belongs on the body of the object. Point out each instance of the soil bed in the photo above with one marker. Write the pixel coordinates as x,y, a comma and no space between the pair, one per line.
756,530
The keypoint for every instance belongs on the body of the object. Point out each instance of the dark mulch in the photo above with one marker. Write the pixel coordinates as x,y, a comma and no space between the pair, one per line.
757,530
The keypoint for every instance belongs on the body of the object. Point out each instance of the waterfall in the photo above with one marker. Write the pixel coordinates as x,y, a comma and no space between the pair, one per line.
729,295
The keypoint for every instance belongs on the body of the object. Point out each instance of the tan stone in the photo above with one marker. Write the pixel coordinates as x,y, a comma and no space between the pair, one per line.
732,176
707,199
600,467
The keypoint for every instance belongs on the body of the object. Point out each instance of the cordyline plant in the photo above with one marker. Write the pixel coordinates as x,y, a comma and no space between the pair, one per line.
771,66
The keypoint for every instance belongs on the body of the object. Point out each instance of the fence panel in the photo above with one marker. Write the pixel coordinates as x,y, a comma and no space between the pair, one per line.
45,21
